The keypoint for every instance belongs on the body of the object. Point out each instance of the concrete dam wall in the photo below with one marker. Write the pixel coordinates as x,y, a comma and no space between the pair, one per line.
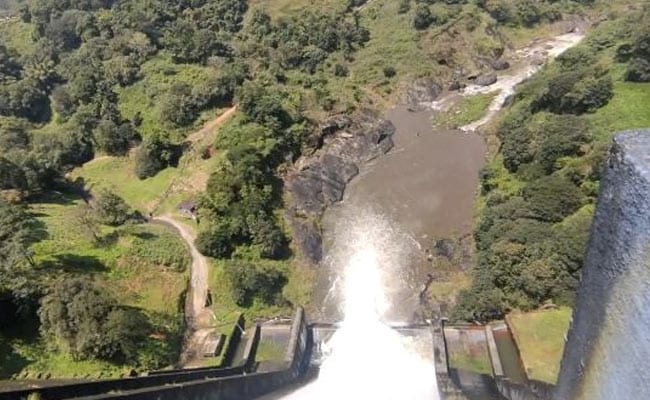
607,354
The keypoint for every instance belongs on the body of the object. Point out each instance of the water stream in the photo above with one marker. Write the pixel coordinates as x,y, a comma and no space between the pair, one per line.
365,358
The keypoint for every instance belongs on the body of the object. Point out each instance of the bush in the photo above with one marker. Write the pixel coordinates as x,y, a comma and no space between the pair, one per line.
423,18
217,241
340,70
111,209
249,283
638,70
404,6
552,198
389,72
86,321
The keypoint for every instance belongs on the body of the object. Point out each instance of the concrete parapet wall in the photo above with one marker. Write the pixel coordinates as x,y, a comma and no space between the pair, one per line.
97,387
233,342
607,354
251,348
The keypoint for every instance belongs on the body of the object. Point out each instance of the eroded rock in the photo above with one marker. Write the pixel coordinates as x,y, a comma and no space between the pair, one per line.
423,90
318,180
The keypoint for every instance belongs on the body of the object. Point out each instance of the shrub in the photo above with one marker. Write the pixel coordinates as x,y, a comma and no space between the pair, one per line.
389,72
404,6
552,198
638,70
423,18
340,70
86,321
249,282
217,241
111,209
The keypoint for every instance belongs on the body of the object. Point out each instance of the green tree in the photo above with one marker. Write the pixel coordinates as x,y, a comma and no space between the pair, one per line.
217,241
249,282
16,235
552,198
178,107
111,209
85,321
154,155
113,138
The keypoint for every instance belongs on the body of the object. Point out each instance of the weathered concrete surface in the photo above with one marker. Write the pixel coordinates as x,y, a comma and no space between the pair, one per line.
607,355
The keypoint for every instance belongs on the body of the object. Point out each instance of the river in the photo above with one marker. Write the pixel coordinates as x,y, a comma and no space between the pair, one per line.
374,242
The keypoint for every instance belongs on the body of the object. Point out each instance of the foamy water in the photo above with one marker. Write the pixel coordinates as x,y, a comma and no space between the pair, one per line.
365,358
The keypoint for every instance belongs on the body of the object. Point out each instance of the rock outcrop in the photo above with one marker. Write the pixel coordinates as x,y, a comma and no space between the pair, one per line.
319,179
423,90
486,79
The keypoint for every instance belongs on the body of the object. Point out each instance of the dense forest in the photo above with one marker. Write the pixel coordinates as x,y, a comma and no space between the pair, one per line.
540,190
124,78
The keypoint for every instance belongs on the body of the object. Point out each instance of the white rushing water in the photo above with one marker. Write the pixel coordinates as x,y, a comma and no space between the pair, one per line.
506,84
365,358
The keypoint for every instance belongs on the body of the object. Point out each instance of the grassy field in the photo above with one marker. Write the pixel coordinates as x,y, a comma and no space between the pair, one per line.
628,109
160,193
467,110
540,338
223,306
143,266
143,97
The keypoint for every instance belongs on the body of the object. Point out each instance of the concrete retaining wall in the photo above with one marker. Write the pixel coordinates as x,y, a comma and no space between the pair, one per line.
213,383
236,387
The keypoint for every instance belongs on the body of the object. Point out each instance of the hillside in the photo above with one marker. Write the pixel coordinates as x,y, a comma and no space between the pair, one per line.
538,190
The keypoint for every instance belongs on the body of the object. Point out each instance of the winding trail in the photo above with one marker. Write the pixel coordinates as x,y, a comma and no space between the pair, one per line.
197,315
212,125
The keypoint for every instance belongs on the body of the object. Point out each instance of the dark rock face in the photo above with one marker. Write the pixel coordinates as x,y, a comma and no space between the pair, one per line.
486,79
318,180
607,354
424,90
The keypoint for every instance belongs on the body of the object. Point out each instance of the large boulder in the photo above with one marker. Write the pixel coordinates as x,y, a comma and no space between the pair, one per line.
486,79
423,90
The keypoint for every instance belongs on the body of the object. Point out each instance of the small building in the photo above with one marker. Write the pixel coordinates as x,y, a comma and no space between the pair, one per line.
188,209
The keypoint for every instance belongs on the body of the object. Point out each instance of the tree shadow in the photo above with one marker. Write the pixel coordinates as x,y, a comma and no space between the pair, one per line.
15,327
74,263
144,235
38,230
108,240
63,198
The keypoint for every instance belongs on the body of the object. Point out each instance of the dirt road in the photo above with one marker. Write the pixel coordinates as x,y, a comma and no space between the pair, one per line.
197,316
211,125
